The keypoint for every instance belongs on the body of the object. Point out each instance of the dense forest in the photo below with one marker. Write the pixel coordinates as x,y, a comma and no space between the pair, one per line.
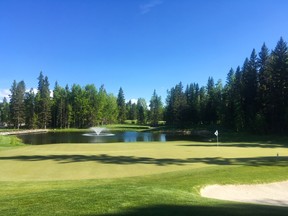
79,107
254,98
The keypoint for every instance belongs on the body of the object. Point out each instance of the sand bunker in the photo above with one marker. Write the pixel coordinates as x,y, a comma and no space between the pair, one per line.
265,194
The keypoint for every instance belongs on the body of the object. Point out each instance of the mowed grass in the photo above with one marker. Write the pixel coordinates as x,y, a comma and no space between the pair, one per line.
134,178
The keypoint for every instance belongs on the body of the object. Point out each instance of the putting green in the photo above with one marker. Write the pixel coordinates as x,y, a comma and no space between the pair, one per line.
98,161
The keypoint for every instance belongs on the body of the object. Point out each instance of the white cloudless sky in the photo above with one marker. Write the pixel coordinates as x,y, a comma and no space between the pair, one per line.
139,45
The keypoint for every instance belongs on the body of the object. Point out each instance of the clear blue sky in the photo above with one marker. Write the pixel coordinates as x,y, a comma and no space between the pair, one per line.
139,45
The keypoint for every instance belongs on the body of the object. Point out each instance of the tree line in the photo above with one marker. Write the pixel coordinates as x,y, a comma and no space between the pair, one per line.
254,98
79,107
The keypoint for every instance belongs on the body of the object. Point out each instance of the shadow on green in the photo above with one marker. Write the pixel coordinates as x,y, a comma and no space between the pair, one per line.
178,210
127,160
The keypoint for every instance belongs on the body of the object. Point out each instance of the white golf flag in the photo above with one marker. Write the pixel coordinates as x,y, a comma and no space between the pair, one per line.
216,133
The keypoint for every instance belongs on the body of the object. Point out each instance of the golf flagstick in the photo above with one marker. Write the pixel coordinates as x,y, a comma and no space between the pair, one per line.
216,134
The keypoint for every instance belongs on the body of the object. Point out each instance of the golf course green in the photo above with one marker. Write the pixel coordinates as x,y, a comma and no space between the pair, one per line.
135,178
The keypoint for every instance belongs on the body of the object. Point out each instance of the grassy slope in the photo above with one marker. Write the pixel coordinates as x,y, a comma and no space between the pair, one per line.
166,194
168,178
9,142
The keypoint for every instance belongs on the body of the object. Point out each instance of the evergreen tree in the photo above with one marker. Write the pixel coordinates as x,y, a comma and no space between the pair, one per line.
121,106
17,107
278,101
77,103
250,86
141,111
229,103
156,109
30,115
4,111
91,106
264,89
43,101
211,112
193,103
101,103
238,100
131,109
176,105
58,108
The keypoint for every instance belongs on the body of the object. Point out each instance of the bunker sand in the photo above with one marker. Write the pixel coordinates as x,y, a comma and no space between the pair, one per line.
266,194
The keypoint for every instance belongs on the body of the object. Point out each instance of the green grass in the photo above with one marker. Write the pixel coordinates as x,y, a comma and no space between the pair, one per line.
135,178
8,142
127,127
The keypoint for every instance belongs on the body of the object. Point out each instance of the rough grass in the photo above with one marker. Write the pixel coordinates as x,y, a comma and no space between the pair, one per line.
134,178
8,142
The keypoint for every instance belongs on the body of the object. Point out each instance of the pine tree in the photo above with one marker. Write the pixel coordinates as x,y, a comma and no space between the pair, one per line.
43,101
278,102
141,111
156,108
264,89
121,106
229,103
211,110
58,107
250,85
238,100
17,107
4,118
30,115
177,106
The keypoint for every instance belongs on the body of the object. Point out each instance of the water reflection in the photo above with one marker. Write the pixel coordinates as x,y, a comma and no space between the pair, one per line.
76,137
128,136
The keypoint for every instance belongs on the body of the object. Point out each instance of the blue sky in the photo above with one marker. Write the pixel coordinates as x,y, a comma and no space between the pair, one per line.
139,45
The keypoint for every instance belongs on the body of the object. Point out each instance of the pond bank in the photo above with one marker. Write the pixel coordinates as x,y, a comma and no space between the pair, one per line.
24,132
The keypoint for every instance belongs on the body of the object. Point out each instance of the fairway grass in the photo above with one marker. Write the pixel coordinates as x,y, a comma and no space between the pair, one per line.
134,178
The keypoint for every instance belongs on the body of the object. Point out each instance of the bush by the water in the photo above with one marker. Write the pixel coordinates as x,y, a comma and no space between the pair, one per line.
9,141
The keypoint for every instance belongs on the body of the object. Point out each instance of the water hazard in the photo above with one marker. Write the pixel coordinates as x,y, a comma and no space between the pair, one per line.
80,137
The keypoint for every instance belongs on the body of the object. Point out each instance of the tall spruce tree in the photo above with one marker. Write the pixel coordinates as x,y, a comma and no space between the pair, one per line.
156,109
250,85
278,101
264,89
210,110
121,106
43,101
30,115
4,112
229,103
238,100
141,111
17,107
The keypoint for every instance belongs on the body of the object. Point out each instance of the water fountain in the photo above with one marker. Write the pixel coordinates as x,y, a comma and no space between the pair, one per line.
98,131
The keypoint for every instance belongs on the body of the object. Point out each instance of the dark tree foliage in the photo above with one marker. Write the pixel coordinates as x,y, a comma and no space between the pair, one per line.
4,112
141,111
30,117
121,106
156,109
17,107
254,99
43,102
250,85
278,98
176,109
131,109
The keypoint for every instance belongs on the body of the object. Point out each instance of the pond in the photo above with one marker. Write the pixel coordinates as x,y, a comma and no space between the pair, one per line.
80,137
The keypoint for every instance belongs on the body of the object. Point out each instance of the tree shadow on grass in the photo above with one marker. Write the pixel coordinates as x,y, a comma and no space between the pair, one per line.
240,145
222,210
127,160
